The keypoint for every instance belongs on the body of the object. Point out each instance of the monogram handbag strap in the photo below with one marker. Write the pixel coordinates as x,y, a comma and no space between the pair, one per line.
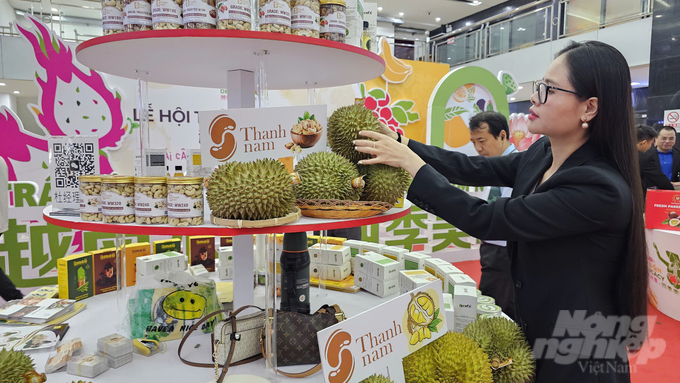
232,319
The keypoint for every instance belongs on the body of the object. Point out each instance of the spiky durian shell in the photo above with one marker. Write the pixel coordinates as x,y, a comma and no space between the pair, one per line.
377,379
502,339
344,126
325,175
459,359
419,367
13,364
252,191
384,183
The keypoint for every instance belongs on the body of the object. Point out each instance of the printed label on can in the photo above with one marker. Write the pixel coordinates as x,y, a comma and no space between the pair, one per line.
335,22
234,10
137,12
90,203
146,206
112,19
166,11
304,18
275,12
199,11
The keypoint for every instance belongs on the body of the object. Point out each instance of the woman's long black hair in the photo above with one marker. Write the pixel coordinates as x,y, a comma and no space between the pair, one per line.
600,70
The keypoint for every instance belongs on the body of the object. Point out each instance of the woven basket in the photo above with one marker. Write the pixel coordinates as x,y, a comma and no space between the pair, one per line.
338,209
245,224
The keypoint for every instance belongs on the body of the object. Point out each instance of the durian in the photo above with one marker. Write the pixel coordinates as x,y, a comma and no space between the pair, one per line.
325,175
419,367
344,126
251,191
504,342
384,183
375,378
13,364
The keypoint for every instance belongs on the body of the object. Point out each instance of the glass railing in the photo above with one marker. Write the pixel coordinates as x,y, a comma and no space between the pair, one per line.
535,26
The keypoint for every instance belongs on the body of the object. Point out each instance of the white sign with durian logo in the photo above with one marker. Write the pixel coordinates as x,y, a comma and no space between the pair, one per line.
251,134
375,342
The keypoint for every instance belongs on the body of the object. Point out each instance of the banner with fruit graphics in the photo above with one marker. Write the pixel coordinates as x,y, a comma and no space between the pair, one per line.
371,342
663,262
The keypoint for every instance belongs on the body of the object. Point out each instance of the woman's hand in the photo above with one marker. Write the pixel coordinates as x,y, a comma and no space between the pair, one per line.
384,129
389,152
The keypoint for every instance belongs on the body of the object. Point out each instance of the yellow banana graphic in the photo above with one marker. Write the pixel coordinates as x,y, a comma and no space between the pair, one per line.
396,71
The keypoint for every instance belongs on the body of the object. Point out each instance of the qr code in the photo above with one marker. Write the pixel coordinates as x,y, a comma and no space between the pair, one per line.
71,160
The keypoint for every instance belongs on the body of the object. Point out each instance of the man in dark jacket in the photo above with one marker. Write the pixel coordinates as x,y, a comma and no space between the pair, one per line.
659,165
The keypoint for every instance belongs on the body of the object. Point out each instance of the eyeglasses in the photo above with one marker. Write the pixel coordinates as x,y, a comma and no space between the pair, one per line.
542,89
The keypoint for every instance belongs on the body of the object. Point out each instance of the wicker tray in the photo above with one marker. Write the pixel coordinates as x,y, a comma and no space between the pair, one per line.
245,224
338,209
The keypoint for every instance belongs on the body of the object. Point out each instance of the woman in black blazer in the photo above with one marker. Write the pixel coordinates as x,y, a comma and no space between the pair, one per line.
574,222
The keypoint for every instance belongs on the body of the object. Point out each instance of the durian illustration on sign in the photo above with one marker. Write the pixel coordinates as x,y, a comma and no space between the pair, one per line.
423,317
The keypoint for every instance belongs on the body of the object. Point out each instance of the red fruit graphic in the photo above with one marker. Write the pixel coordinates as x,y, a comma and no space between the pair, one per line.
261,13
371,103
213,14
673,279
385,113
385,102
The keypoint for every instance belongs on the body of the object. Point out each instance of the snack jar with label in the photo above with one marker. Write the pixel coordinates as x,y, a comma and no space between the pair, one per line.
333,20
185,201
305,17
137,15
234,14
199,14
167,14
118,199
275,16
90,198
151,200
112,16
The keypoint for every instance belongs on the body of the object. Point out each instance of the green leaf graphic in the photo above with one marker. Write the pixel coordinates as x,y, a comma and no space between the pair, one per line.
103,118
471,94
378,94
413,117
118,96
44,165
55,45
312,117
665,222
436,314
400,115
362,87
407,105
78,90
673,257
476,109
450,113
436,322
103,153
85,117
489,107
48,179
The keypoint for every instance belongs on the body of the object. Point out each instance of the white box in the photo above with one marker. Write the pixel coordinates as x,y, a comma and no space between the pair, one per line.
448,309
383,288
363,262
465,307
317,255
226,255
374,247
361,280
160,263
460,280
316,269
338,273
199,271
415,261
225,271
430,265
380,267
395,253
443,272
354,246
337,255
412,279
355,22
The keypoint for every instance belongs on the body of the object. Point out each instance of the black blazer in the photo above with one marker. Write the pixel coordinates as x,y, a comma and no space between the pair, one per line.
567,240
650,169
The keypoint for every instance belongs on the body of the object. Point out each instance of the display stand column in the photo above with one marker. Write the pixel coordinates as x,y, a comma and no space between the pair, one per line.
121,293
143,107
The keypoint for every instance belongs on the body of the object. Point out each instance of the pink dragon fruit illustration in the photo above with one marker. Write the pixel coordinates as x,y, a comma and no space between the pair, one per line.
71,103
519,132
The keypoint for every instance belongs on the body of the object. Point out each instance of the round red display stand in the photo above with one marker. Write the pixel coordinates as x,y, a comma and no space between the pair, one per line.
202,58
303,224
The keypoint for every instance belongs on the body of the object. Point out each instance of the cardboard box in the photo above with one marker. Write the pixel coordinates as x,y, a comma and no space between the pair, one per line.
449,311
317,270
355,22
201,251
383,288
226,241
75,276
225,271
316,254
430,265
412,279
338,273
174,244
312,240
662,210
354,246
395,253
460,280
136,250
160,263
199,271
415,261
374,247
361,280
336,255
377,266
226,255
105,271
362,263
443,272
465,307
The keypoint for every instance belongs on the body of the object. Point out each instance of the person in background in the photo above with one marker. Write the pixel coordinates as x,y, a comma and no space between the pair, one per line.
646,136
489,133
659,165
7,289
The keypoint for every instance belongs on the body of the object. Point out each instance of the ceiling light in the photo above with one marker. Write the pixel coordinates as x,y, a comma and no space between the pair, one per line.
16,92
401,14
673,38
634,83
438,19
657,16
468,23
55,10
502,27
86,7
512,99
2,84
55,17
520,87
380,9
475,3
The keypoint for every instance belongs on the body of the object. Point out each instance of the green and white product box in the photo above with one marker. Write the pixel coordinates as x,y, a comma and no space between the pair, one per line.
355,22
317,255
488,309
395,253
460,280
374,247
338,273
484,300
316,269
415,261
226,255
337,255
363,262
448,309
354,246
410,280
224,271
432,263
199,271
444,273
383,288
160,263
380,267
362,280
464,306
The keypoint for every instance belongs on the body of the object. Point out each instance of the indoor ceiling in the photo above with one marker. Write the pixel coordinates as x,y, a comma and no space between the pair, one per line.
89,9
423,14
25,88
